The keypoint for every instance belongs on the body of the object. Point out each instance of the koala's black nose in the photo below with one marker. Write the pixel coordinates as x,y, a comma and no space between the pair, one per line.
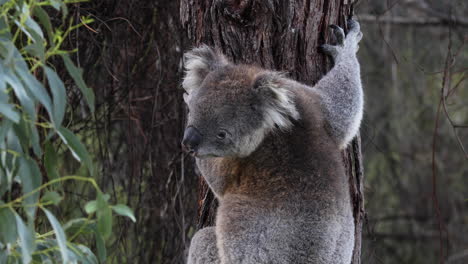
192,139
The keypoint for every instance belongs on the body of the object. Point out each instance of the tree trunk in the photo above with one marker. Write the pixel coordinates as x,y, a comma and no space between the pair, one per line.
131,59
278,35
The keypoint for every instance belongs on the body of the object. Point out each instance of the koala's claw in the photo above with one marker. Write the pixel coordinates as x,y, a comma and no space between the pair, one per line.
345,44
338,33
353,25
328,49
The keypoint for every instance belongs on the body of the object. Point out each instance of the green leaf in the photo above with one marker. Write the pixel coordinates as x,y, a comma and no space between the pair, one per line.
124,210
21,131
55,4
77,148
101,246
8,111
77,75
2,81
36,49
44,19
31,179
50,162
87,254
21,94
59,234
13,141
3,252
104,216
4,129
64,8
59,94
36,89
91,207
51,197
5,32
81,225
4,183
7,226
32,25
34,136
46,248
26,239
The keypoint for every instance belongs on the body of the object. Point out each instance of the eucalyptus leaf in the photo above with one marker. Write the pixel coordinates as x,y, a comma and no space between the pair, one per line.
26,239
14,57
50,163
124,210
59,94
8,234
59,234
77,75
21,131
4,183
76,147
87,255
51,197
55,4
33,26
13,141
101,246
7,111
81,225
31,179
104,216
36,49
5,126
3,251
34,136
44,19
91,207
36,89
2,80
21,94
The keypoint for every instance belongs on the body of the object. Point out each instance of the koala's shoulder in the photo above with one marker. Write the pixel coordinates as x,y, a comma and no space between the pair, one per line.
308,104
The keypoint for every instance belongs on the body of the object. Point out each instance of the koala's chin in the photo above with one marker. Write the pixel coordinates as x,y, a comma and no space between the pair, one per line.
207,152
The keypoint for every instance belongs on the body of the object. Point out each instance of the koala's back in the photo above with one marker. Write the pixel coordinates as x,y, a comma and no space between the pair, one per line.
251,231
289,201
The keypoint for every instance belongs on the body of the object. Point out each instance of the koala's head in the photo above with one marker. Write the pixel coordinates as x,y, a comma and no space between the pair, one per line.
231,107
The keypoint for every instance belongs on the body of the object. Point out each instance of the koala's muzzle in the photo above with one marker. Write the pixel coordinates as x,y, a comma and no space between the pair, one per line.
192,139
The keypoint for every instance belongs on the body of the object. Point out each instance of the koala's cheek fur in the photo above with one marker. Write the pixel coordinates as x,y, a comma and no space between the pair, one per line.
248,143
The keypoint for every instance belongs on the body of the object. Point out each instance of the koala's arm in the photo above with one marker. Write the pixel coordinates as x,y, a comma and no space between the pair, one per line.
203,248
340,89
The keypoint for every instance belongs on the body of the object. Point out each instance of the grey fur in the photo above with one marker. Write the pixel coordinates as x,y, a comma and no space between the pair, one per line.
341,88
277,172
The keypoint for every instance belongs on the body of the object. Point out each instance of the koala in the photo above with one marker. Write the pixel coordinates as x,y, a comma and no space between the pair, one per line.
269,148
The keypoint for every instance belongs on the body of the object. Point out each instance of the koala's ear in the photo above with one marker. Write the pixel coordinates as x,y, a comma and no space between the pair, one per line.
198,63
277,101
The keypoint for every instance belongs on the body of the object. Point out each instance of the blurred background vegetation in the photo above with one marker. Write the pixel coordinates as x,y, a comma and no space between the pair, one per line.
415,134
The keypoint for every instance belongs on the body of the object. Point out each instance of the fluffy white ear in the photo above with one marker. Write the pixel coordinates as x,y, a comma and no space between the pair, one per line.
198,63
277,101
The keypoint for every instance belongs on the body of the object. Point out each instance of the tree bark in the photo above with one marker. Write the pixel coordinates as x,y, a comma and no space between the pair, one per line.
131,56
277,35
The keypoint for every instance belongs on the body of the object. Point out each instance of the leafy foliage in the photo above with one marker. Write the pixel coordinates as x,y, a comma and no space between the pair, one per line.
33,107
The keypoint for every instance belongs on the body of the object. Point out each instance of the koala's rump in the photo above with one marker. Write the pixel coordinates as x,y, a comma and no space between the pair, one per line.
292,231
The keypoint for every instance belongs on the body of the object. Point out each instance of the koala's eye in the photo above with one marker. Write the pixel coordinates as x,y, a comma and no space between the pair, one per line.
221,134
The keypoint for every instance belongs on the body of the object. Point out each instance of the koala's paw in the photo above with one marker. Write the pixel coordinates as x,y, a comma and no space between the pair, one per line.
344,45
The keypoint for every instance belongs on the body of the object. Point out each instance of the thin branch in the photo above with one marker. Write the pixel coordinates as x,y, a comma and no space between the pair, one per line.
408,21
424,7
